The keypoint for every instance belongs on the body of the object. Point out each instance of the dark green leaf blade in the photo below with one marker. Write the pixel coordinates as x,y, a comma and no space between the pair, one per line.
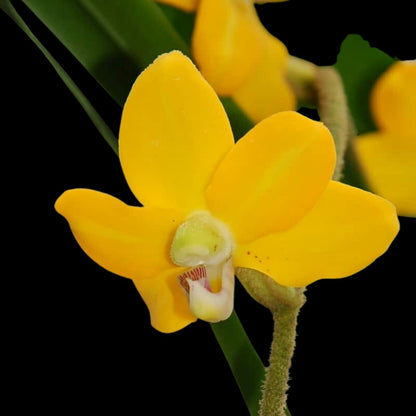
140,27
245,364
114,41
86,39
360,65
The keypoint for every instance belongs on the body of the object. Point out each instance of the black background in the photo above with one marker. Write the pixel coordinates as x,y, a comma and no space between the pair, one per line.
79,338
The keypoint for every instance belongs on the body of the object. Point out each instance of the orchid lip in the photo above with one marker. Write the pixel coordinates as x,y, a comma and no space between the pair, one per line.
204,302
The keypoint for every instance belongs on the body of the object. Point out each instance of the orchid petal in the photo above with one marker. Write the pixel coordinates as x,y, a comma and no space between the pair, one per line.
174,132
133,242
388,163
393,99
345,232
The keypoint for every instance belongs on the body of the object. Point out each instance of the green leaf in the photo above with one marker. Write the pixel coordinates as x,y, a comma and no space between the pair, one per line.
360,65
245,364
113,40
140,27
86,105
97,51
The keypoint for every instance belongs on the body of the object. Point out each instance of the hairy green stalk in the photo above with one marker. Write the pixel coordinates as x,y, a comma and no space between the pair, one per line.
273,402
334,112
284,304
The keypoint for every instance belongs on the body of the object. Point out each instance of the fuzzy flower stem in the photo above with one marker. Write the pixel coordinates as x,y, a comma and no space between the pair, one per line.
284,304
273,402
334,112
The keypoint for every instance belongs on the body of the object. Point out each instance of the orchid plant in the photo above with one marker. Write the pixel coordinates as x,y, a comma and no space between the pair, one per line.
232,182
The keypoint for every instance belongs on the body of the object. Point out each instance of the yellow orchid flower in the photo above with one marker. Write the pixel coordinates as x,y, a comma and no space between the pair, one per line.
210,205
239,57
387,157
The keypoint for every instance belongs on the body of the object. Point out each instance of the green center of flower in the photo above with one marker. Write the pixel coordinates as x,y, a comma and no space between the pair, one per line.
201,239
205,245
